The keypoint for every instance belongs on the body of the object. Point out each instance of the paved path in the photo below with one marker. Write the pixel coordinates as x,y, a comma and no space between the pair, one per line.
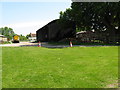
44,44
18,44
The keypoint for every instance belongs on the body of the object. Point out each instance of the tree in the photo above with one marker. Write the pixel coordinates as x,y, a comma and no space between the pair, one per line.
22,38
8,32
104,16
27,36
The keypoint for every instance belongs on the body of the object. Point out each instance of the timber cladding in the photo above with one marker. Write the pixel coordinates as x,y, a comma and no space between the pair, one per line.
54,31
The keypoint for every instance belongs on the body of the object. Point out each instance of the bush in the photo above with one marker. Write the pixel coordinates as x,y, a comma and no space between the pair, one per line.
8,42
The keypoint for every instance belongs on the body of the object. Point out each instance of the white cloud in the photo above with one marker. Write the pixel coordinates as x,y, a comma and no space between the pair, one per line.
26,27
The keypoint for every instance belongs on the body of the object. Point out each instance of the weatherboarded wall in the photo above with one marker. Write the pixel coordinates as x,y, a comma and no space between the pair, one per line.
54,31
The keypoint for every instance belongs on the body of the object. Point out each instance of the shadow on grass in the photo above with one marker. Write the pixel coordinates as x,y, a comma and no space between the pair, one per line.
59,45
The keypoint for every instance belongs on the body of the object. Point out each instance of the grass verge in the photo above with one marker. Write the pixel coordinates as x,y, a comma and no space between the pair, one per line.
76,67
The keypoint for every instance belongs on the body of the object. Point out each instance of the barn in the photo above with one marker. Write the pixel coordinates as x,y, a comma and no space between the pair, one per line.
54,31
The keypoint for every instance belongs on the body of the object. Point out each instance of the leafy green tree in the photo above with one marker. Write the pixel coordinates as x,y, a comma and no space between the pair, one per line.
27,36
104,16
22,38
8,32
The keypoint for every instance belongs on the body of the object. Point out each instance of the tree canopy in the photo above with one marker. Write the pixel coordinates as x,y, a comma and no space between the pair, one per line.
104,16
8,32
23,38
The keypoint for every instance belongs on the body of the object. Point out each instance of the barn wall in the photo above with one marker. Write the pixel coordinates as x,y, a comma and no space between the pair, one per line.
42,34
55,32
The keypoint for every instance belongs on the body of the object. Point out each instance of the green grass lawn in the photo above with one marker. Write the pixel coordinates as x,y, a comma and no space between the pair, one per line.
76,67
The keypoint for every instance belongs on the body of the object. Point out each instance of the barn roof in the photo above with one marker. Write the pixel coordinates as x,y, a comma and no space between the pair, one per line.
49,23
2,36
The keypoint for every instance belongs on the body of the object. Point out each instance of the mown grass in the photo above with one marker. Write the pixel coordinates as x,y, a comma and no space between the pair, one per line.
76,67
0,67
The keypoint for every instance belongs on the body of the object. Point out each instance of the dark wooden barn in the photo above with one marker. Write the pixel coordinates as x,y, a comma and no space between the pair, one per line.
54,31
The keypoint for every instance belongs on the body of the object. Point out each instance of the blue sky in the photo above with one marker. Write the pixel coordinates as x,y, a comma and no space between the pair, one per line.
26,17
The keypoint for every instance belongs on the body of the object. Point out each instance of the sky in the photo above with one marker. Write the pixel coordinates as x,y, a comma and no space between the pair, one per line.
28,17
